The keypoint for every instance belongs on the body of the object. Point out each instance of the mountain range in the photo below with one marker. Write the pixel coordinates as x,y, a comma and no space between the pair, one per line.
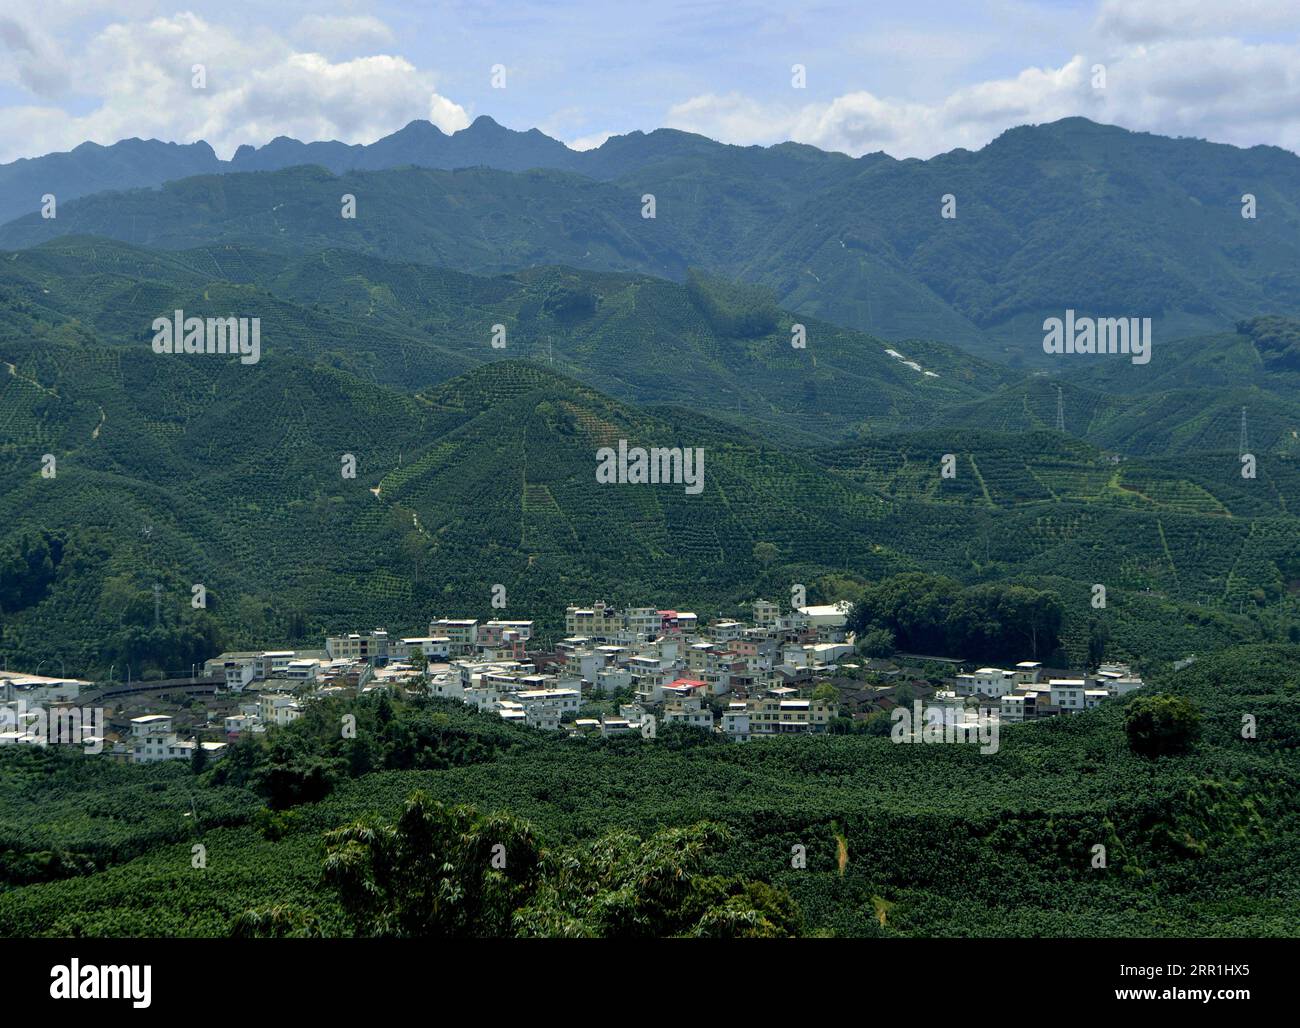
1070,214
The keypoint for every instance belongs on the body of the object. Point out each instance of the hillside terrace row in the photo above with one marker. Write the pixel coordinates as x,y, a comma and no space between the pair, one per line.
1031,691
757,676
672,666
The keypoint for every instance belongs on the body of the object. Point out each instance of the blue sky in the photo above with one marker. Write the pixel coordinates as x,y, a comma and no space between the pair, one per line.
910,78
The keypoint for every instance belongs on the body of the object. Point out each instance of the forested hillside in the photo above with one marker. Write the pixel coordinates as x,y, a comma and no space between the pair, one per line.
708,344
181,471
900,840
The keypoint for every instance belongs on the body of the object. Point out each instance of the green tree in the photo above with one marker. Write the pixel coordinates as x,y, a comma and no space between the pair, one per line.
1098,640
439,871
877,642
1160,725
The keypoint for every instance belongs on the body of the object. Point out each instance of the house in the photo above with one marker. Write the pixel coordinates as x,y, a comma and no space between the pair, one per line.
771,715
688,711
237,725
563,701
766,613
612,679
618,726
153,740
1118,679
273,662
491,632
987,681
735,721
828,620
1067,694
239,672
299,671
726,631
278,708
684,689
1027,672
599,621
461,634
678,622
39,690
431,647
1018,706
642,622
372,647
447,686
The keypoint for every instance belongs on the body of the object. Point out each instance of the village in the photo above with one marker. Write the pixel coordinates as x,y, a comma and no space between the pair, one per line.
630,671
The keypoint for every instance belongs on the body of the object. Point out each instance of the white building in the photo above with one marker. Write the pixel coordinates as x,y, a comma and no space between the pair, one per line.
153,740
987,681
278,708
1068,693
39,690
433,647
240,672
735,721
1018,706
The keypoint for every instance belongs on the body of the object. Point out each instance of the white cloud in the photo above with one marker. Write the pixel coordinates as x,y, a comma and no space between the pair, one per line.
1146,21
1224,89
30,58
332,33
588,142
258,87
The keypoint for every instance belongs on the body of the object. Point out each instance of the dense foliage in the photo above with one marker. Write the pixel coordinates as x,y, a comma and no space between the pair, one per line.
935,840
931,614
1157,725
440,871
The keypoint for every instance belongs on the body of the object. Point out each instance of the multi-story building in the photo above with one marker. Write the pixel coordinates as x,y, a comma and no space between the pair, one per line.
153,740
278,708
766,613
1068,694
599,621
239,672
987,681
372,646
461,634
771,715
688,711
735,721
1017,706
431,647
563,701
